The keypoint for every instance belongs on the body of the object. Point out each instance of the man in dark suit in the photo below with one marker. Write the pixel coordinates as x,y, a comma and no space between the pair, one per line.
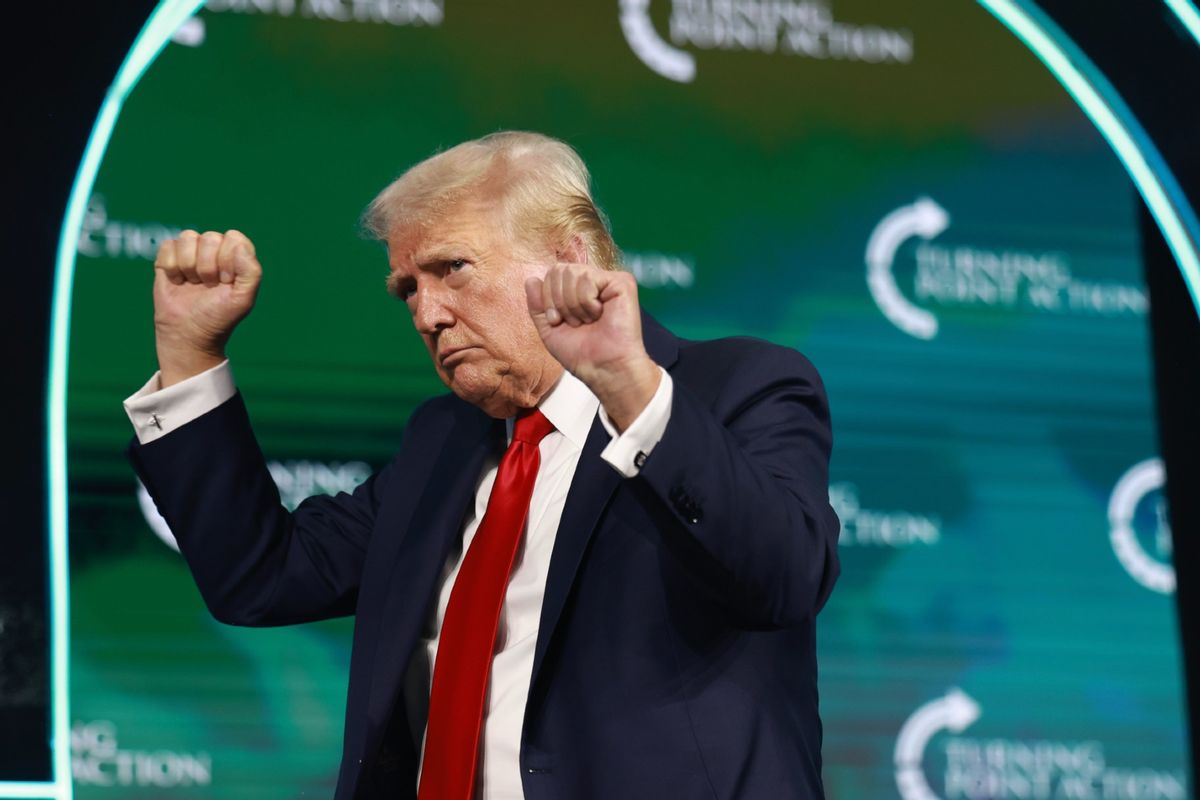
591,571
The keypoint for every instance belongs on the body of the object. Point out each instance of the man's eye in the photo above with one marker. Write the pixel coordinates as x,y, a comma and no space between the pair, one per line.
455,264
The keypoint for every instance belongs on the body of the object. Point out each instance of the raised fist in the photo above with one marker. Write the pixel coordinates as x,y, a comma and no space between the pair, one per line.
204,285
589,320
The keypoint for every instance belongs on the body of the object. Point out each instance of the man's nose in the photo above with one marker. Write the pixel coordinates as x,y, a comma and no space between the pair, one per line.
432,313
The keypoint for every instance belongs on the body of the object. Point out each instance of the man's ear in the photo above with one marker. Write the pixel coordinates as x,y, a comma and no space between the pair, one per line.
573,252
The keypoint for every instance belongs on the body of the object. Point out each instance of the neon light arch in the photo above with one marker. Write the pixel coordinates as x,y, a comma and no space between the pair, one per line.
1101,103
1188,15
153,37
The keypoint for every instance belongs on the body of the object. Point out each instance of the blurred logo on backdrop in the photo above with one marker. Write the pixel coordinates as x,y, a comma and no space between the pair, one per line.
1138,525
805,28
295,480
392,12
971,276
998,768
97,760
102,237
868,527
661,270
192,32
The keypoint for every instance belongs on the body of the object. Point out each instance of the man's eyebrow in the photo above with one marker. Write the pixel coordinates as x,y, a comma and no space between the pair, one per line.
433,257
442,251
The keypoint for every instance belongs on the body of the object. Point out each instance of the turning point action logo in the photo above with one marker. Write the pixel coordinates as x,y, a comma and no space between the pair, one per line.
1016,769
394,12
803,28
1139,482
192,32
102,237
872,527
968,276
97,760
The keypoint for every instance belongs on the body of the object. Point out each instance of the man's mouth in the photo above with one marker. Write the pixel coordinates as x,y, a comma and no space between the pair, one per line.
453,354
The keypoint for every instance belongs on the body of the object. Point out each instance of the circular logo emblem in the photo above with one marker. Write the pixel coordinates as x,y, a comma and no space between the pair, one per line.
1128,497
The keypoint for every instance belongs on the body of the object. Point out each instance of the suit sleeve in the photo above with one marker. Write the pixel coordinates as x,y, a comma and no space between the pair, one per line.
744,481
254,562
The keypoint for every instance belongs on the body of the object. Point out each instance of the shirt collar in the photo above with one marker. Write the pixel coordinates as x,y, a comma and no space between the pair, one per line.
571,407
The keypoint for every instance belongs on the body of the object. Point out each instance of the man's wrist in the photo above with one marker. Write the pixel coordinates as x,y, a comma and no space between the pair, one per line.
178,364
625,390
156,411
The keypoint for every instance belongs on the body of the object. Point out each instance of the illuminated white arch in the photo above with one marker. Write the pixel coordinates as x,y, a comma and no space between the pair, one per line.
155,34
1188,15
1097,98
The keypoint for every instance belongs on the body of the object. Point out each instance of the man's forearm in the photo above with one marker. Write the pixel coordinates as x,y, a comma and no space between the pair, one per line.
751,494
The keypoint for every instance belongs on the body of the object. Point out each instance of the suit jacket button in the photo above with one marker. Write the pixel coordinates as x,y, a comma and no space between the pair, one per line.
686,505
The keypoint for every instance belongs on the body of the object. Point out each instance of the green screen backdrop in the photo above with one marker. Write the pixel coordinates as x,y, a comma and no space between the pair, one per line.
897,189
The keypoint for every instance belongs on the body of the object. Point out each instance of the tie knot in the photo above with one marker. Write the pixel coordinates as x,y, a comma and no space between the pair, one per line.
531,427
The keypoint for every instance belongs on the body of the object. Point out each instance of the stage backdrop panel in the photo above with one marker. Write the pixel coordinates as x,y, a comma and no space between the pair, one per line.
897,189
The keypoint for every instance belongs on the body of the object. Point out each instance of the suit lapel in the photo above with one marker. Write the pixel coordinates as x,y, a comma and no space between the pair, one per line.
592,487
419,560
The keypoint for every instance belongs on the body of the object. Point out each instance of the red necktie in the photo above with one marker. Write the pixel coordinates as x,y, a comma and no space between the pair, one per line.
468,636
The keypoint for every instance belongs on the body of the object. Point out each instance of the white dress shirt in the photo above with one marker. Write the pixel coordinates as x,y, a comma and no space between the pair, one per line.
571,407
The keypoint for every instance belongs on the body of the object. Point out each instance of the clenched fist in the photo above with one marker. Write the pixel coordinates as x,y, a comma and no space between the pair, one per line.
204,285
589,321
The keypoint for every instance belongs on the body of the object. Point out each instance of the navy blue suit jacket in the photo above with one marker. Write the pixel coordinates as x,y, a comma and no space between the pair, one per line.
676,650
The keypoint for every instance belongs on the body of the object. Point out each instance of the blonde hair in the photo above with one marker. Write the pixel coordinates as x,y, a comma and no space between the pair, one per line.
540,185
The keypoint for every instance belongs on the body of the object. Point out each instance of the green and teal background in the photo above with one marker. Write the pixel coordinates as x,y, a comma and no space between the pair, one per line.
1003,628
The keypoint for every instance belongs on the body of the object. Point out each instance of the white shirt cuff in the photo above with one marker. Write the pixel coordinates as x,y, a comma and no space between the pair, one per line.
627,451
155,411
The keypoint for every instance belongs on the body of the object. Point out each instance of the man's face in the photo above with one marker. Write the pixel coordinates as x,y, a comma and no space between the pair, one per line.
464,284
